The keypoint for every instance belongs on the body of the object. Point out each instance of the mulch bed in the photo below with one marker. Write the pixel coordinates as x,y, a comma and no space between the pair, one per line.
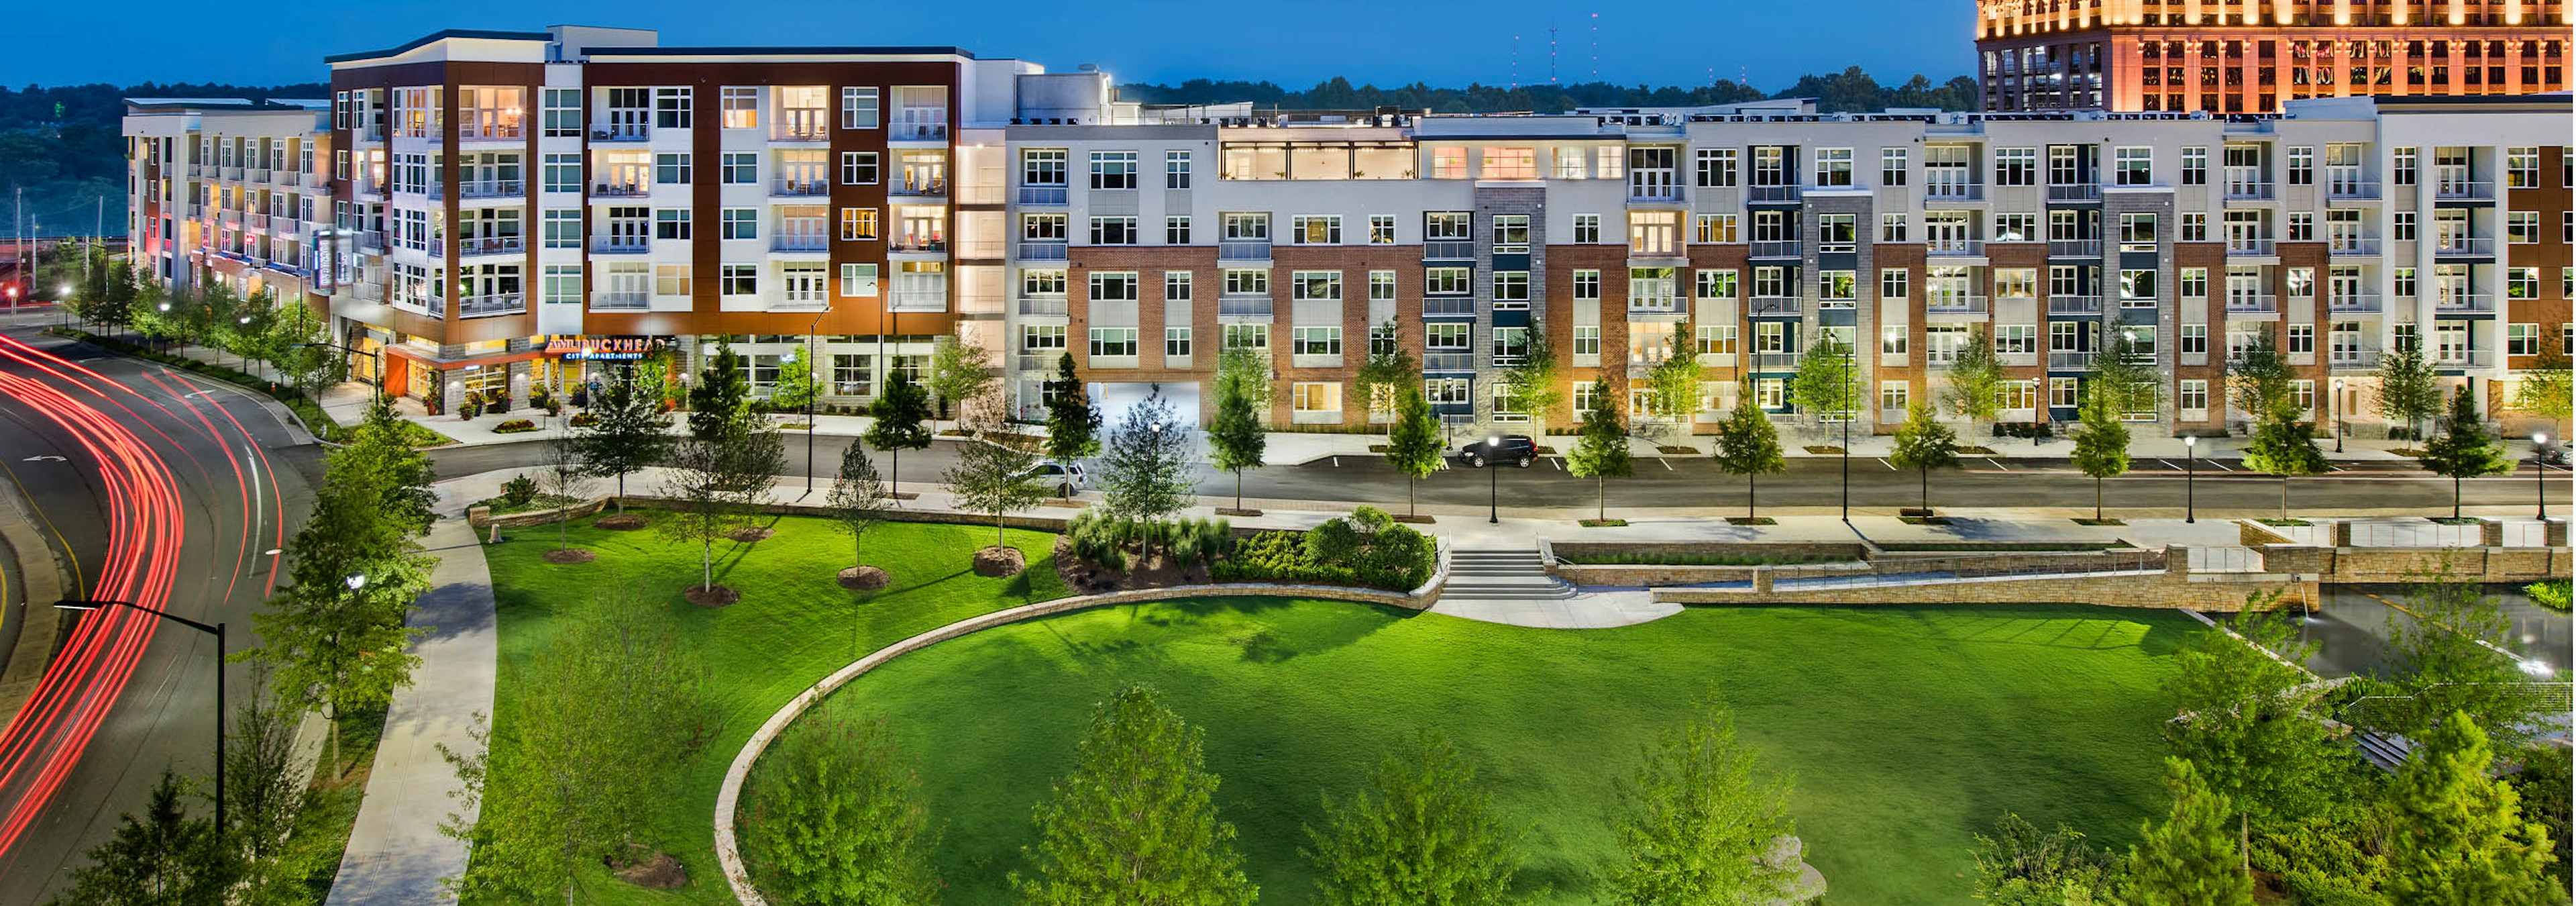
1678,451
711,595
904,495
751,533
862,578
1066,504
1751,520
620,522
1604,523
1416,520
568,555
2100,522
1156,572
2286,523
1223,511
658,871
1379,448
996,562
1925,520
1824,450
1977,451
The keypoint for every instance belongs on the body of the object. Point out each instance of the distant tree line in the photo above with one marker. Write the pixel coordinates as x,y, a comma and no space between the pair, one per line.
1851,90
64,147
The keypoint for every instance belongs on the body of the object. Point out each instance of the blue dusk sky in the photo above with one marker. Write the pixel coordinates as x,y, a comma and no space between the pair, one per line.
1445,44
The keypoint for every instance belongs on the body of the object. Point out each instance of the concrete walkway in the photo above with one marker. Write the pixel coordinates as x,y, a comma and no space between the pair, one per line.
396,854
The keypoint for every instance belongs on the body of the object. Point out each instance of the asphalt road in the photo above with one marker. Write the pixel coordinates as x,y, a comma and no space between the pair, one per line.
233,475
2220,487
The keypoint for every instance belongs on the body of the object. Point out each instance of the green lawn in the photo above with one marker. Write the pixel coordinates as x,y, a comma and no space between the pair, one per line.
1907,729
794,626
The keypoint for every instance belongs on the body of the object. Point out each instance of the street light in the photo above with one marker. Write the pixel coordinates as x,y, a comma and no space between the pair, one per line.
216,630
2540,473
2338,414
357,581
1847,422
2190,470
1493,482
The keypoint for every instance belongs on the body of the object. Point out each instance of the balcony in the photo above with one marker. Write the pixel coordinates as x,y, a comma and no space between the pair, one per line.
369,292
2353,359
1761,306
491,245
1448,307
233,173
2248,190
255,221
2352,248
1955,305
2463,190
1654,305
1776,361
2253,304
1774,194
915,242
1934,192
1776,249
1448,250
489,305
2074,305
796,124
2465,247
2252,247
619,300
2075,248
371,241
1243,306
1046,250
2354,303
620,245
620,189
2070,361
919,299
497,188
799,242
2455,359
919,187
1243,250
1955,248
1044,306
2082,191
2464,304
2340,187
1663,193
256,174
1048,196
920,131
290,178
1448,361
799,188
621,132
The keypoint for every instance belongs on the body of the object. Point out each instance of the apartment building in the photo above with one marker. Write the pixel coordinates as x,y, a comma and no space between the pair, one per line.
1143,247
225,190
2214,56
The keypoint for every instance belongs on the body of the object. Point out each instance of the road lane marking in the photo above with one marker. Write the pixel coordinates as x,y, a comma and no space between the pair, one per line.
2220,466
1668,466
2168,464
45,458
1890,466
1999,466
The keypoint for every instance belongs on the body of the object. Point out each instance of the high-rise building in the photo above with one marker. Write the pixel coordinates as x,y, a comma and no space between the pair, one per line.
226,189
2214,56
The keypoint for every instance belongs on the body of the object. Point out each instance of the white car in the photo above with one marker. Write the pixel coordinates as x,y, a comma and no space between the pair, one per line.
1067,479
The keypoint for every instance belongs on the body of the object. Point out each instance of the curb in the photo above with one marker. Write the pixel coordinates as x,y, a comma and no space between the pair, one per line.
41,574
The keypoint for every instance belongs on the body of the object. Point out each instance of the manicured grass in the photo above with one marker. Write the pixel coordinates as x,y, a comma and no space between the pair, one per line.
1907,729
794,626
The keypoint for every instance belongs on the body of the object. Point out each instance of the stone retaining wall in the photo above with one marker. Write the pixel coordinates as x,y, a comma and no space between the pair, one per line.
2165,590
1847,550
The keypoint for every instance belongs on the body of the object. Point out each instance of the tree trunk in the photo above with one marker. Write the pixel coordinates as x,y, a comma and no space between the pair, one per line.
1410,509
1925,474
1748,498
2097,498
1238,489
1602,513
707,563
621,493
2455,498
894,476
2285,498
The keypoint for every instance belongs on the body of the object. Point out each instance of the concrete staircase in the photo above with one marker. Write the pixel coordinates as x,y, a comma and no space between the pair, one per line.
1502,575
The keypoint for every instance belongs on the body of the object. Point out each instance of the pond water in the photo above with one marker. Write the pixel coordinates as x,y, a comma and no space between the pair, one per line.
2351,631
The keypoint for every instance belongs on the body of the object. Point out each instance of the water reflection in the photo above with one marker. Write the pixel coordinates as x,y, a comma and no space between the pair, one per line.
2352,630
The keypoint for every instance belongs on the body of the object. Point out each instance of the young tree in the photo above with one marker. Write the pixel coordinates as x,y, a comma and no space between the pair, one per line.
1827,383
566,478
2101,444
858,499
2124,377
1694,826
1538,382
1073,423
1675,381
993,474
898,425
251,333
1423,832
2251,724
1136,821
959,372
1389,370
1748,445
1413,442
2452,639
714,488
2464,449
720,405
2022,866
627,431
1975,387
2460,836
2285,446
1146,475
401,475
1236,438
2193,859
2410,391
836,819
1601,449
2547,390
1923,443
798,385
265,790
2259,380
161,857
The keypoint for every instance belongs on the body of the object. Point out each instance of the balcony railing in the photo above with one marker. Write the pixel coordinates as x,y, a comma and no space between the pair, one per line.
1775,305
1243,250
2252,304
2082,191
2343,187
371,241
2348,248
620,245
2465,303
1774,193
921,187
1776,248
256,174
1654,305
620,189
2069,361
2466,247
2075,248
255,221
1044,306
1243,306
1776,361
1954,191
2465,358
1042,251
1448,306
914,242
1955,248
2250,246
622,132
1448,250
1043,195
497,188
1448,361
919,132
492,245
799,188
1666,192
369,292
619,300
2074,305
799,242
2462,190
800,125
488,305
919,300
1955,305
2248,190
2354,303
2354,359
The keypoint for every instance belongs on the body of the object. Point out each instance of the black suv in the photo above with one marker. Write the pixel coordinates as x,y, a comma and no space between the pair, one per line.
1516,449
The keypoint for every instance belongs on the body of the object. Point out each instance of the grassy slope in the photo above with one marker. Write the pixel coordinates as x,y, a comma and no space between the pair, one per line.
793,627
1907,729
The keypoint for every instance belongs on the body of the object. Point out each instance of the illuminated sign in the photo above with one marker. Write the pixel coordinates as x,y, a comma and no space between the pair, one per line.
604,349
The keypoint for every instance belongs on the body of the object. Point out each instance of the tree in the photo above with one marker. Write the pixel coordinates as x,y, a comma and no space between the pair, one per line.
2021,866
1413,442
2547,389
298,340
714,488
1136,821
858,499
1976,381
2451,641
567,480
1748,445
2464,449
2259,380
1693,824
1601,449
2460,837
1383,379
2250,723
627,431
2193,858
264,793
1235,436
720,405
2124,377
2285,446
1146,475
1923,443
1675,382
1073,423
836,819
959,372
994,473
1827,383
798,385
1538,382
2410,391
898,418
401,475
251,331
1423,832
161,857
2101,444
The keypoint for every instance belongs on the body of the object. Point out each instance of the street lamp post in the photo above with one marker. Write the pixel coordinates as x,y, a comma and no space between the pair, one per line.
2540,473
814,388
1847,423
2190,470
216,630
1493,483
2338,414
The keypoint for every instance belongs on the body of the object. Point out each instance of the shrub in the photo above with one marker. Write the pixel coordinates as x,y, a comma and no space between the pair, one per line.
541,395
518,491
581,396
2549,593
514,426
1366,548
585,419
498,402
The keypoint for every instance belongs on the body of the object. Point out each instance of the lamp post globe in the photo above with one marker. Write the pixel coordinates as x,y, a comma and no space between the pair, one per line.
2190,472
1493,481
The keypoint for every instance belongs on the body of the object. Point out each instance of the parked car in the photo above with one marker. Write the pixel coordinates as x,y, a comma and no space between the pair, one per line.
1060,478
2554,454
1516,449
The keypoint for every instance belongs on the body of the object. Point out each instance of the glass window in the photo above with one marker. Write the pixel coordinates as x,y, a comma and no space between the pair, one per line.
1176,169
1113,169
859,107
